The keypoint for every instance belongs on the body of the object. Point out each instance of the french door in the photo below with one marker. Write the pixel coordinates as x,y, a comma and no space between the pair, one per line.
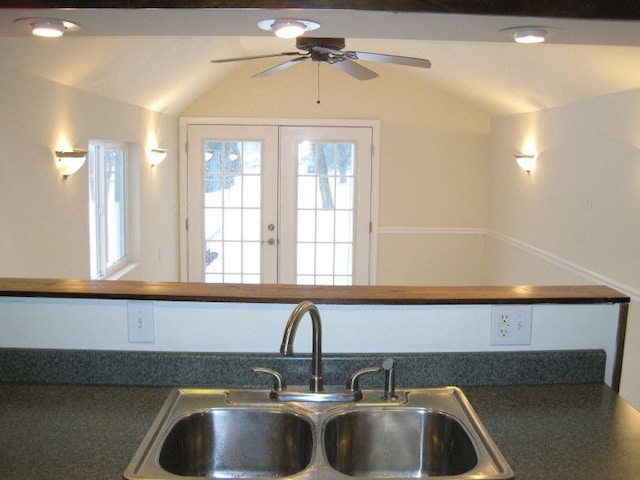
278,204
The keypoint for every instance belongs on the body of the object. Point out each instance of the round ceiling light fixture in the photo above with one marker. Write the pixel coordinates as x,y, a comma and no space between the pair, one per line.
288,27
528,34
48,27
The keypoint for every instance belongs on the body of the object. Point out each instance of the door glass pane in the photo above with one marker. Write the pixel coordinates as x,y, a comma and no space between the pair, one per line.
251,225
325,207
114,205
306,225
306,260
232,214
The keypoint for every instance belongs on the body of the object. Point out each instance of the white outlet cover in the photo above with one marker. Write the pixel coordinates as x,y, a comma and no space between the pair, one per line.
511,324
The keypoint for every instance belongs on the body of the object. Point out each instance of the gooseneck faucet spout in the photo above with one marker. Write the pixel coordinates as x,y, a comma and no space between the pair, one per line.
315,380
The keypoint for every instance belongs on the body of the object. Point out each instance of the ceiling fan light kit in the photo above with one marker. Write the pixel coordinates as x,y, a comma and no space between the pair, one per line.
288,27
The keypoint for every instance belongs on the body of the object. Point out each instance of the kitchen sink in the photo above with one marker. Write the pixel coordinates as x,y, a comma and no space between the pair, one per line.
246,433
398,443
231,443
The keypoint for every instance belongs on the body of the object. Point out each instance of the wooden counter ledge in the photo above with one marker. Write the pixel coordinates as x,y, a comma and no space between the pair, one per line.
391,295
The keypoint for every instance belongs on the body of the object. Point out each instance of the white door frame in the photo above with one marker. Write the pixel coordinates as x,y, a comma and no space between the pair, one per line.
182,171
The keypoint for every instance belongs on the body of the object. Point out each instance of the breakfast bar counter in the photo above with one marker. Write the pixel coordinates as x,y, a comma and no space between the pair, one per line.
545,432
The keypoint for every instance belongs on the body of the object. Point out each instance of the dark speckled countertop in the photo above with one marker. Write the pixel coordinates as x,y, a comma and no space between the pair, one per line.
91,432
82,414
562,431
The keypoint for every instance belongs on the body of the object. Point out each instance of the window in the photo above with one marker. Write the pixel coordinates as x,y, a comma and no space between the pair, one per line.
108,208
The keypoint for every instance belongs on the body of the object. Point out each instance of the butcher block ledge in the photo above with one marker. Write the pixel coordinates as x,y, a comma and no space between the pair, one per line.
271,293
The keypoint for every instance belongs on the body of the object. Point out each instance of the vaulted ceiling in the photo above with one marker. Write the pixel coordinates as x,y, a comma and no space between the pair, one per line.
160,58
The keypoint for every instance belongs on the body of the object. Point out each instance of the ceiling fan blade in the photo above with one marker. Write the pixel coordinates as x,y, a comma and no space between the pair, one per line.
331,51
280,67
254,57
380,57
354,69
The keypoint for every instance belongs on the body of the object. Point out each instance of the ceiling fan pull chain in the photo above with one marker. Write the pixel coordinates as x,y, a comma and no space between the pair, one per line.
318,97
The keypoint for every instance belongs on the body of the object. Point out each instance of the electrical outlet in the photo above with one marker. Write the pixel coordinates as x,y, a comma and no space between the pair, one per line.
511,324
140,322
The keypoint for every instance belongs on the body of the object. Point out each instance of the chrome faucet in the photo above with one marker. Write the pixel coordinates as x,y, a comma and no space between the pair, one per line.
316,391
286,348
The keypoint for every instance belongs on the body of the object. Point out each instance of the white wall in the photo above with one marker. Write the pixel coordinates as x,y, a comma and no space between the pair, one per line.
579,211
431,256
238,327
44,222
433,158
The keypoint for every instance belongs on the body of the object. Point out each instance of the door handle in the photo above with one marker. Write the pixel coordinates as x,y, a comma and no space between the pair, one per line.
272,241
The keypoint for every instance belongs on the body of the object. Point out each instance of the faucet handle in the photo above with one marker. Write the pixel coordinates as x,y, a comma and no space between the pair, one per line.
278,380
353,384
389,367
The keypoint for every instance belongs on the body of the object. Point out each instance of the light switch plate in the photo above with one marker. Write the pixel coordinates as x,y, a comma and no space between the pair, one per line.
141,328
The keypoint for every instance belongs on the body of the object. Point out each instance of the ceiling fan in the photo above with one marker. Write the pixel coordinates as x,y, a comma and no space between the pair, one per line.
330,50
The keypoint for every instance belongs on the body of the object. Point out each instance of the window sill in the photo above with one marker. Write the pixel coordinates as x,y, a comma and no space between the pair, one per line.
122,272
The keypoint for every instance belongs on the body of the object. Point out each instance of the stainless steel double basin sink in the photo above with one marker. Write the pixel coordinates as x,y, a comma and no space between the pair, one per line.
244,433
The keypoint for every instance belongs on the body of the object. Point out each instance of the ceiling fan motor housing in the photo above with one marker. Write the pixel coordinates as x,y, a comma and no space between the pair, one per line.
307,43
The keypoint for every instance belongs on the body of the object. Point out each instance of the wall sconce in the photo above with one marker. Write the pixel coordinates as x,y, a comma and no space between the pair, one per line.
157,156
287,27
527,162
69,162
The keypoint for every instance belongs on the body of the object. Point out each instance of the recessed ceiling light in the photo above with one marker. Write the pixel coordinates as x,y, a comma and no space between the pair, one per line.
528,34
288,27
48,27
